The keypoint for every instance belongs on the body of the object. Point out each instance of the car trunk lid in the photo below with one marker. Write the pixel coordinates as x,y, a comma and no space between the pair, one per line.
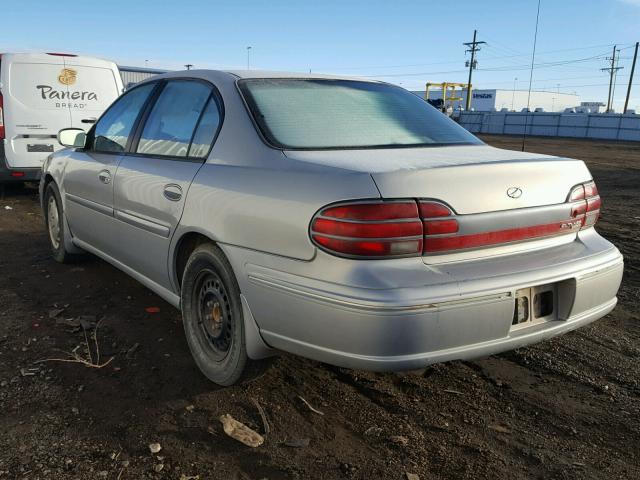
470,178
502,201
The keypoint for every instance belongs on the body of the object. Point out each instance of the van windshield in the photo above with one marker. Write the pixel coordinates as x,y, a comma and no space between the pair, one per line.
316,114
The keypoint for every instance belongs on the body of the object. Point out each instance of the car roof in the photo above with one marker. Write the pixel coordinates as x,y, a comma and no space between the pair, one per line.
248,74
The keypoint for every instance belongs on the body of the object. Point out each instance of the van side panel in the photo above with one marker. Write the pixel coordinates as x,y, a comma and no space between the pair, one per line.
44,93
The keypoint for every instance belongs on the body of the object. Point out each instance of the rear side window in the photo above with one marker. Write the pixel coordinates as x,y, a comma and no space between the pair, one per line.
114,128
206,131
172,121
336,114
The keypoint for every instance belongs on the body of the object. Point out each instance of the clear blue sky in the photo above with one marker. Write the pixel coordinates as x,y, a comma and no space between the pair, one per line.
405,42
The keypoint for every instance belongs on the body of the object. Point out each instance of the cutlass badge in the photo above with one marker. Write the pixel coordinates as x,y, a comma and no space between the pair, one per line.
514,192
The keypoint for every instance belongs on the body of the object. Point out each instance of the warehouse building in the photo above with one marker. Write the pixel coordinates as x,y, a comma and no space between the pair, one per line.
132,75
486,100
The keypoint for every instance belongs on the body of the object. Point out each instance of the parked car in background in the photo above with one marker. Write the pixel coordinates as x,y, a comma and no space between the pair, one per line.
343,220
41,93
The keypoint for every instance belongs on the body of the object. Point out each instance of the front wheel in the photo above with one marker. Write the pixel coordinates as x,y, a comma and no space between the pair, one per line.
54,220
212,316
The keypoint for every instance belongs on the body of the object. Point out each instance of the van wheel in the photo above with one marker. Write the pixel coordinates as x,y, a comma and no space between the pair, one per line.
54,220
212,316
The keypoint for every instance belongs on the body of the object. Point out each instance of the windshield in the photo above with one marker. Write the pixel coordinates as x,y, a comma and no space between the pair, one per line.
335,114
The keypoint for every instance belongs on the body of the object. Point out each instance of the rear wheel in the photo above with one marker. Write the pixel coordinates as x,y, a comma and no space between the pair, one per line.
212,316
54,220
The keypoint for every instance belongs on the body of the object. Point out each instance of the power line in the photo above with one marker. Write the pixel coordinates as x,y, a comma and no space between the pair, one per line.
490,46
558,63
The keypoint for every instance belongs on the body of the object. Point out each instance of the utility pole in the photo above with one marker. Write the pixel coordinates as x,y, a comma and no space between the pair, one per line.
248,57
633,67
188,66
473,48
612,71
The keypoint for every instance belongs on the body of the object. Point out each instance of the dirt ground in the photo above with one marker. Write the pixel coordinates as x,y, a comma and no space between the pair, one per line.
568,408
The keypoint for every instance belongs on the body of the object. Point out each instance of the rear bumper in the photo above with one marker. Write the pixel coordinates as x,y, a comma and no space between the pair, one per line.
8,174
466,315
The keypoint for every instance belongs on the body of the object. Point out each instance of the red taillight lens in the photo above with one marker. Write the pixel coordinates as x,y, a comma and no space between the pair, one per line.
17,174
590,190
371,248
434,210
593,204
577,193
435,221
1,117
588,208
372,211
369,229
440,227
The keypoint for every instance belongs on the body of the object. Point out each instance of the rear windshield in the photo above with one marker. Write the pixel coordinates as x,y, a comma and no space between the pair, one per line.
337,114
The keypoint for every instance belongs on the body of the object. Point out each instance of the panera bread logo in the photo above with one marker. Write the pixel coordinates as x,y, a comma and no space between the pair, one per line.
67,76
47,92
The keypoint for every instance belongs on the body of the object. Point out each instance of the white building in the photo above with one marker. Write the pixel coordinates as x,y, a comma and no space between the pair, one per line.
592,107
484,100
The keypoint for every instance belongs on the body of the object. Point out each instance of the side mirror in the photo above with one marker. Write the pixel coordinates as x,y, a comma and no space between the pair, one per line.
72,137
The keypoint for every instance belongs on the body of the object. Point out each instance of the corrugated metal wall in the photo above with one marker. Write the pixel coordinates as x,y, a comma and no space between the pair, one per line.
601,126
132,75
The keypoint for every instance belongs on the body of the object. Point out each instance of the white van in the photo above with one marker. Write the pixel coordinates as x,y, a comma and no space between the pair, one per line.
41,93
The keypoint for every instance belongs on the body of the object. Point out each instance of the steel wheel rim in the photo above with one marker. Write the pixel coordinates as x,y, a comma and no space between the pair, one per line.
53,221
215,316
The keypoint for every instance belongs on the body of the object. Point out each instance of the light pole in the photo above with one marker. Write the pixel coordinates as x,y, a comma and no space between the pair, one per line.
248,63
513,95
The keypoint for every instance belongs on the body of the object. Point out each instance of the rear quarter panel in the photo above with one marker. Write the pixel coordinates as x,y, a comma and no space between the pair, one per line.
266,209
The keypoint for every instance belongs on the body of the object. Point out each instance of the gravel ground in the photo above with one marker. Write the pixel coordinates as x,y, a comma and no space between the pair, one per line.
568,408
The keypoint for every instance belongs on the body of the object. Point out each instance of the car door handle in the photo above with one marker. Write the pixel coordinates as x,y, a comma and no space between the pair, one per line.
105,176
173,192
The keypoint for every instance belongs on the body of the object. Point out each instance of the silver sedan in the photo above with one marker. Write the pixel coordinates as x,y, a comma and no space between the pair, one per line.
343,220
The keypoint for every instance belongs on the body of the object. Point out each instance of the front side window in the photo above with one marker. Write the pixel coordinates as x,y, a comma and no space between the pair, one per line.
173,119
114,128
333,114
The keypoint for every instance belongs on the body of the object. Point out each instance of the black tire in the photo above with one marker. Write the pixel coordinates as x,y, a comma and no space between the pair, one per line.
54,221
212,316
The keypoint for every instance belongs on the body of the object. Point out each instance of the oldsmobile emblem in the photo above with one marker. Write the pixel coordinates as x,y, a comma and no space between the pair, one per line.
514,192
67,76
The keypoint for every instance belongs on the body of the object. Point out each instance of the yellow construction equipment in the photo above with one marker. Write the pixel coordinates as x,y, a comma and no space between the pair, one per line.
446,87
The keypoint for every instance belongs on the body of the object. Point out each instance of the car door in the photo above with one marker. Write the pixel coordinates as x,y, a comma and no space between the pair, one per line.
88,179
172,142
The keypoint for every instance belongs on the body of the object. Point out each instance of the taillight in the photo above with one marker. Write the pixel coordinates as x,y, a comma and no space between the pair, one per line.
409,228
434,218
587,203
1,117
369,229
